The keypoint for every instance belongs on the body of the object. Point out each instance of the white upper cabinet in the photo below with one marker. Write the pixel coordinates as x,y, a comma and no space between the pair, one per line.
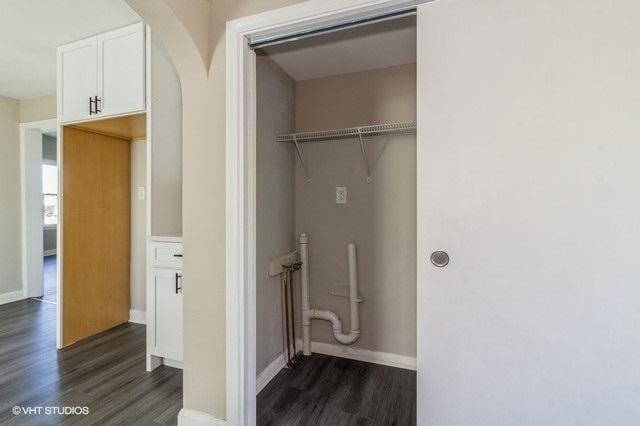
102,76
77,79
121,65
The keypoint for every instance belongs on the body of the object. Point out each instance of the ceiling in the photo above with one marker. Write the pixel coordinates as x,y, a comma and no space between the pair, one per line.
358,49
30,31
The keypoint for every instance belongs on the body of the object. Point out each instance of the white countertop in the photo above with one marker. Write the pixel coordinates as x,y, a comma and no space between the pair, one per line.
170,238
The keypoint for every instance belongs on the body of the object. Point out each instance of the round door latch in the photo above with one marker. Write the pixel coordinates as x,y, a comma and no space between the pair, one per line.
440,259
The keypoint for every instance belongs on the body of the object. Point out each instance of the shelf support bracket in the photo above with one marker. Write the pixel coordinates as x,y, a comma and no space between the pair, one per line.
299,152
364,155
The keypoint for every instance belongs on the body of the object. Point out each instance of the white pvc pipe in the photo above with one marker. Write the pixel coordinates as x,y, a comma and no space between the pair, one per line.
308,314
354,299
306,306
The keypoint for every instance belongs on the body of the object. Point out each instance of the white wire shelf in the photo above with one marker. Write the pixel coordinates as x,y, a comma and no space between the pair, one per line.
347,133
350,132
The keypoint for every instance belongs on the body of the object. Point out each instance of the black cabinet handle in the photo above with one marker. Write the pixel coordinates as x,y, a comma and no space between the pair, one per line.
178,279
177,255
98,105
91,106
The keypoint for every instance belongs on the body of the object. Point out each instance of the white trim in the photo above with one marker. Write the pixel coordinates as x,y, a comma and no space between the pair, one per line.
41,126
189,417
240,180
137,316
270,372
149,132
59,239
13,296
365,355
51,252
172,363
48,125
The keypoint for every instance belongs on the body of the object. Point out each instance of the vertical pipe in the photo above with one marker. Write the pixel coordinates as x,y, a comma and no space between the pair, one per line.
353,287
292,315
285,307
306,307
283,282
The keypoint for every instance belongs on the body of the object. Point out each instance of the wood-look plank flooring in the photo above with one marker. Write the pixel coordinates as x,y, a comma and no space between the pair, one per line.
325,390
50,279
105,373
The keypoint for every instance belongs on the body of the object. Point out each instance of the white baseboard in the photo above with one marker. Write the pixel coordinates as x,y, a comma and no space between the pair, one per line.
269,372
359,354
13,296
49,252
189,417
172,363
137,317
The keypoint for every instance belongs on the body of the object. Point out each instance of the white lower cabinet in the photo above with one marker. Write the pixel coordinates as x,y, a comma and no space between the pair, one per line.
164,305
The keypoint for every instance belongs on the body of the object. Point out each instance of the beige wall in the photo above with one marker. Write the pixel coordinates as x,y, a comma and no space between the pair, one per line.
203,91
275,215
42,108
10,271
166,173
138,268
379,217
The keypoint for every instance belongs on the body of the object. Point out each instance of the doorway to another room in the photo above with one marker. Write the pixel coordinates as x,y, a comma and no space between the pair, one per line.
50,217
39,177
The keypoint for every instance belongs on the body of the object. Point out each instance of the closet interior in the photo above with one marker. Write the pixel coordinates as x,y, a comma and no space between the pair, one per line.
336,223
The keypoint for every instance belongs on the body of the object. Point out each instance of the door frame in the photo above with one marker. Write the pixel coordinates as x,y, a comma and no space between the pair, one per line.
241,172
30,255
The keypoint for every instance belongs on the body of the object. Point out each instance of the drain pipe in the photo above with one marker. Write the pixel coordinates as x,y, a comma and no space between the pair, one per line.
308,314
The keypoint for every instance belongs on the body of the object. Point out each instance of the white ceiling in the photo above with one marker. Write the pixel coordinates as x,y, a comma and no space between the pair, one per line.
363,48
30,31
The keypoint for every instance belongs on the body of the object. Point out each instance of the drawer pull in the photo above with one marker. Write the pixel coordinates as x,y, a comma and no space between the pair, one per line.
178,282
177,255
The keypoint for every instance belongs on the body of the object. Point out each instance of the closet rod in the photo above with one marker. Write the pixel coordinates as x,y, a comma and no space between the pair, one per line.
260,41
350,132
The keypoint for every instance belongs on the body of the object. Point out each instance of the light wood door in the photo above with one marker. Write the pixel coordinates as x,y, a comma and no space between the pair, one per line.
77,79
165,328
96,233
121,65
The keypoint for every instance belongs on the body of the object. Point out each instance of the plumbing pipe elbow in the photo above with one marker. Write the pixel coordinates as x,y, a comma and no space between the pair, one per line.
347,339
307,315
336,325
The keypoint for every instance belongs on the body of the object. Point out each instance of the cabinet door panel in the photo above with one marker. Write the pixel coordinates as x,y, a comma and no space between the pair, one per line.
121,66
78,79
166,339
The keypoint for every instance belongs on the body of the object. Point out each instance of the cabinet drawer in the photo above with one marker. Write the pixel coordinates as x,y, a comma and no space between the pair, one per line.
165,255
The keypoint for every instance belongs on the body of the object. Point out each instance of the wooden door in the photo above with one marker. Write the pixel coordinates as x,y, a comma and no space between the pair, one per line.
78,79
96,233
122,71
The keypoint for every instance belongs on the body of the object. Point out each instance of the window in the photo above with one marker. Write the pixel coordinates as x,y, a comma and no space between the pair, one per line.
50,193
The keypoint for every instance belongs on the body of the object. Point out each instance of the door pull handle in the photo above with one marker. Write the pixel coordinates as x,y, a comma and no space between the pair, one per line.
178,282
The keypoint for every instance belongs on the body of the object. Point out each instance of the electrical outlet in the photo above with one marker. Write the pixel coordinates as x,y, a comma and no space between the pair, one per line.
141,193
341,195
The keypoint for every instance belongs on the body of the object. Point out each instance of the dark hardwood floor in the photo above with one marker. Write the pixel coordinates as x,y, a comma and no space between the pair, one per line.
50,278
325,390
105,373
